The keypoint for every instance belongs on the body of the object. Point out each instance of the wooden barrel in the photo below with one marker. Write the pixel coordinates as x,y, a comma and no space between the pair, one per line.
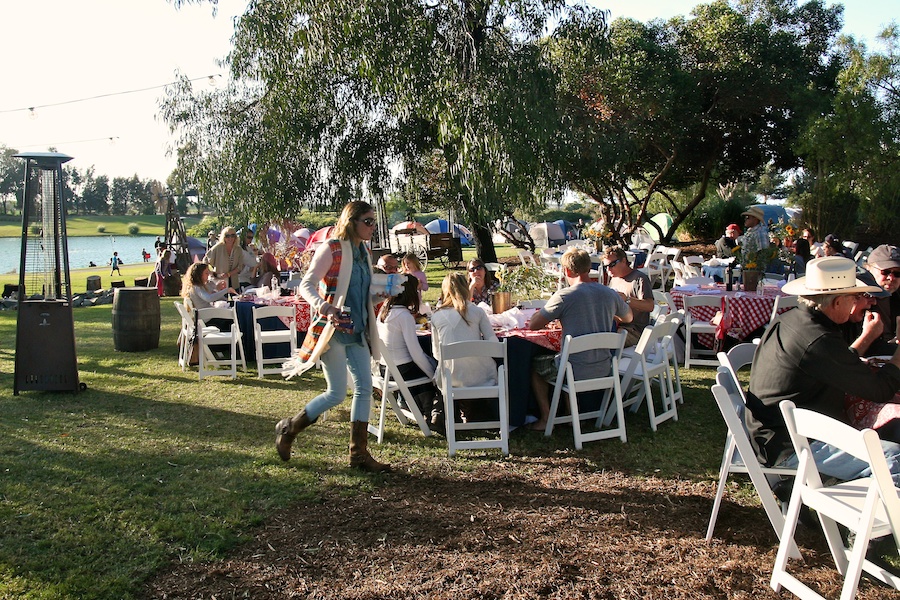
135,319
93,283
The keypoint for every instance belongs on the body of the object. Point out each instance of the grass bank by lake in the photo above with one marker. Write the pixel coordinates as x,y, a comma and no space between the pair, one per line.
113,225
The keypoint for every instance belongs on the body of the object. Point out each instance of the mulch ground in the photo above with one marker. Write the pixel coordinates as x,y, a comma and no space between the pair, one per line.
527,527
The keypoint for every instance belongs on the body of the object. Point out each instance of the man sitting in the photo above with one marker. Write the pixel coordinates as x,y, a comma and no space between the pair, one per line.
634,288
582,308
803,358
884,265
727,243
389,264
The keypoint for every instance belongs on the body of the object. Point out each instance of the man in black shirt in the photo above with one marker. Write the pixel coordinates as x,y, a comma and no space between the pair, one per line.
803,358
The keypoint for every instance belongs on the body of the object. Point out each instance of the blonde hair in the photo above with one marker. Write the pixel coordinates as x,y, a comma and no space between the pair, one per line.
576,261
225,231
414,261
345,229
455,294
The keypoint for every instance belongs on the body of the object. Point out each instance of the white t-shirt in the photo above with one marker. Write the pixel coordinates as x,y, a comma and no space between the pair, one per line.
398,337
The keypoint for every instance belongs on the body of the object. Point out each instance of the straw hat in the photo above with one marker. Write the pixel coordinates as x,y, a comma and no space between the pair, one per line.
755,211
829,275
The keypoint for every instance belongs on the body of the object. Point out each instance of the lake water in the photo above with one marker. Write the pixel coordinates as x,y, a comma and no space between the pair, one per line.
83,250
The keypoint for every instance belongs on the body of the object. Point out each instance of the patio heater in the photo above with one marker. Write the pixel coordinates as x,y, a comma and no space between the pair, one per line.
45,327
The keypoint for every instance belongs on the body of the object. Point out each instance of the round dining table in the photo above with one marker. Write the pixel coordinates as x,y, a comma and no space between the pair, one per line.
747,311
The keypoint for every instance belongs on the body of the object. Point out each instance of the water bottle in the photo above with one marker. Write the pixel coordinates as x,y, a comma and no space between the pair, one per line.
345,320
729,278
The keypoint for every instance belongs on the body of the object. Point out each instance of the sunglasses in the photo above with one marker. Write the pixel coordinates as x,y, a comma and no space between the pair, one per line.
368,221
230,235
892,272
473,269
613,263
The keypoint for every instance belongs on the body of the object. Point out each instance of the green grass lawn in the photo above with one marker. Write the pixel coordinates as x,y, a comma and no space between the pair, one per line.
150,465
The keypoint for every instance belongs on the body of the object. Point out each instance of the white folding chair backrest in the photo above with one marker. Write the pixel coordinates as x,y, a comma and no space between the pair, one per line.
527,258
782,303
681,273
869,507
694,325
740,356
739,457
389,383
610,384
210,337
263,337
486,350
657,268
851,246
533,303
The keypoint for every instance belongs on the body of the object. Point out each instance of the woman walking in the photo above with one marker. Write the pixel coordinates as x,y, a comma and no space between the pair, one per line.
338,278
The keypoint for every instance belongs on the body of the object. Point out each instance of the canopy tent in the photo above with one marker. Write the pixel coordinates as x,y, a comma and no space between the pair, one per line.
443,226
196,249
409,227
663,221
300,238
319,237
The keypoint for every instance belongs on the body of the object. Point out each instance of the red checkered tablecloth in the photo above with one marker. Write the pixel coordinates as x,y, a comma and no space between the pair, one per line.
748,311
301,309
550,339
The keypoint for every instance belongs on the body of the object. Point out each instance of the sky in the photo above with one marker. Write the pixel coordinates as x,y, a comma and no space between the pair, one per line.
67,53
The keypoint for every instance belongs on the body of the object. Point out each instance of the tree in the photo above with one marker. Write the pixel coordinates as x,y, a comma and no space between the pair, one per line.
685,103
12,177
95,193
852,152
333,101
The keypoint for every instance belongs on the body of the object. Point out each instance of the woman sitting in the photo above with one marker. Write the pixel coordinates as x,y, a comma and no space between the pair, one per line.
482,286
197,290
457,319
397,331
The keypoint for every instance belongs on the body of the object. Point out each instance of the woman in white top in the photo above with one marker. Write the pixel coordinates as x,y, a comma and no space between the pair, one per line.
457,320
396,325
196,289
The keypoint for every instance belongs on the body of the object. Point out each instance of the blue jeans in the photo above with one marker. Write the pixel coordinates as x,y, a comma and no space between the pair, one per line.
837,463
335,362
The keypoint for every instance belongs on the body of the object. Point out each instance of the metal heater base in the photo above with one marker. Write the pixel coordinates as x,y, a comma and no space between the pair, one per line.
45,347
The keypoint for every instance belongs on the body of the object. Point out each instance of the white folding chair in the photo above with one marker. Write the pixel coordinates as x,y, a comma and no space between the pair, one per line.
657,269
852,247
782,303
485,350
740,356
739,457
533,303
676,318
699,280
680,273
693,326
527,258
649,362
186,334
263,337
661,306
209,362
694,265
390,383
610,384
868,507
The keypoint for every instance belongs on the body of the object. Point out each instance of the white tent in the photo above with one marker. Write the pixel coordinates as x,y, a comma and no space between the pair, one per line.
547,234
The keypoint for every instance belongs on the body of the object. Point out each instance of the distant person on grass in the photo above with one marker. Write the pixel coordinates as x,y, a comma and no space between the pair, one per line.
114,263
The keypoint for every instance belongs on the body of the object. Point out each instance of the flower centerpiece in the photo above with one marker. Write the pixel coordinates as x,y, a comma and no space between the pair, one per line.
601,234
523,282
755,260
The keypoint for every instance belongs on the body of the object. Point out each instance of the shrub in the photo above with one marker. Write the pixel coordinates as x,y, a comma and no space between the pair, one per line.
133,229
101,228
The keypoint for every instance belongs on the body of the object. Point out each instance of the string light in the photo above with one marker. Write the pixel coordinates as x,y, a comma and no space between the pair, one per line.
110,138
211,79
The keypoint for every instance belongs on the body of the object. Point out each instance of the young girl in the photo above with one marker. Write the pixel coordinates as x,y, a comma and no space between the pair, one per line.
397,330
412,266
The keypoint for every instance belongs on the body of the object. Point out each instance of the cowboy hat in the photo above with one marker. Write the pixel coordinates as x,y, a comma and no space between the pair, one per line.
829,275
755,211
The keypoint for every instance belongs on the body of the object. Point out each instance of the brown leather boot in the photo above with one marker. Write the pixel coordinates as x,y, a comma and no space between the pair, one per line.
359,453
287,430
